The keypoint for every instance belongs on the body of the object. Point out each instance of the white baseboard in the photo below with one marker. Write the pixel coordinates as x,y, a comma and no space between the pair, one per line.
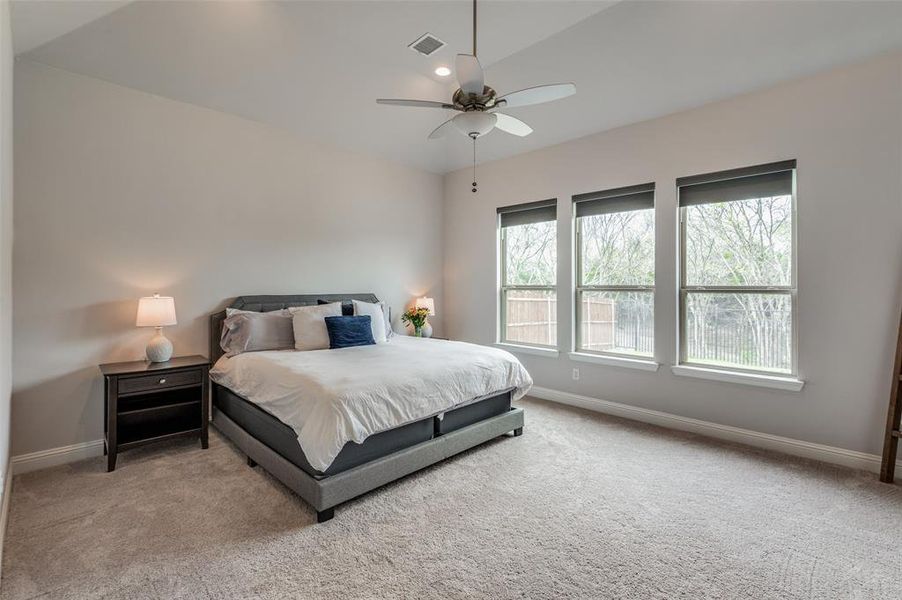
43,459
4,505
830,454
25,463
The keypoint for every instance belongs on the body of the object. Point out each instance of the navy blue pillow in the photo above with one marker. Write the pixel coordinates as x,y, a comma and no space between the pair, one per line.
345,332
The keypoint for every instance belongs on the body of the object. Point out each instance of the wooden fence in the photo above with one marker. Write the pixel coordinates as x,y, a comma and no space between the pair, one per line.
531,319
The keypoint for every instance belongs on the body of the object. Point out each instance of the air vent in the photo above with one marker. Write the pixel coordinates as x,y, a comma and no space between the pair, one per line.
427,44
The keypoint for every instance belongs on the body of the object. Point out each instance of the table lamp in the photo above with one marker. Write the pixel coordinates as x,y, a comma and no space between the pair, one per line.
429,303
157,311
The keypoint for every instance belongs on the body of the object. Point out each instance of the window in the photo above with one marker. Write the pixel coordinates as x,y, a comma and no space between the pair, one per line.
737,275
615,271
528,238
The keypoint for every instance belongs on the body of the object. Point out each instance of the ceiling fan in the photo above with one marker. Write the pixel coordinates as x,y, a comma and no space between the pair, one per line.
478,105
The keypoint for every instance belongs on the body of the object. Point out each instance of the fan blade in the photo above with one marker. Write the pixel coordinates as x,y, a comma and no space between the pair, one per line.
537,95
469,74
440,131
512,125
418,103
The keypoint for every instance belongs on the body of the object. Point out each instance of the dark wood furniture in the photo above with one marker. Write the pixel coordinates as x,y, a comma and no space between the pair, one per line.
893,417
147,402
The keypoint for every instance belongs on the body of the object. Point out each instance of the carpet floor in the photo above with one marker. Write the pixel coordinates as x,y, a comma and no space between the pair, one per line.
581,506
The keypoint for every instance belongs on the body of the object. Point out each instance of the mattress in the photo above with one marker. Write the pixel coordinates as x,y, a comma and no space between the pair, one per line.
282,439
333,397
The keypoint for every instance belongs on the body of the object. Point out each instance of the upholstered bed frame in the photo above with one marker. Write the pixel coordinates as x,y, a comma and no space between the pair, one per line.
381,459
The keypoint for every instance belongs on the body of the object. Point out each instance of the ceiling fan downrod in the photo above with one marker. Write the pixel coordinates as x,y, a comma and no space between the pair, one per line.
474,27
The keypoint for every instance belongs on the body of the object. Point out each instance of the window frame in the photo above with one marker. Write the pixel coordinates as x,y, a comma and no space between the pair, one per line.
579,288
790,290
503,287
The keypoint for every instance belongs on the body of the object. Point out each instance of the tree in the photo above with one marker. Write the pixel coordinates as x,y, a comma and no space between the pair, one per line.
531,254
618,249
740,243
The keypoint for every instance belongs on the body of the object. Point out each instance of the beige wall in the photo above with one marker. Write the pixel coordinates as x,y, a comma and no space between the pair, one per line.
6,231
121,194
845,130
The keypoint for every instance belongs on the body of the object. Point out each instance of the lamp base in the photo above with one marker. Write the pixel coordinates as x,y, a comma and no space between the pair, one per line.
159,349
426,331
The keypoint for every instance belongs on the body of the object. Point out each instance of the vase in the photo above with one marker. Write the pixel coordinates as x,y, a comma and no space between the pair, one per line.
159,348
417,331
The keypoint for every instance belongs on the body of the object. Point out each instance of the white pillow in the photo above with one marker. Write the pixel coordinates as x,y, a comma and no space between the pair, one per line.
377,318
309,324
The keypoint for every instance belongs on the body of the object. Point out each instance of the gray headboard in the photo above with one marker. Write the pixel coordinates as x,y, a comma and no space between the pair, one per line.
268,303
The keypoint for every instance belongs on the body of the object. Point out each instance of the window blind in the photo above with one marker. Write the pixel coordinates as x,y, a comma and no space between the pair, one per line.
531,212
637,197
763,181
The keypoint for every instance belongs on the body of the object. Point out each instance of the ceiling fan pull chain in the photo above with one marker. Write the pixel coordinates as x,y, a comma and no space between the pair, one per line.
474,162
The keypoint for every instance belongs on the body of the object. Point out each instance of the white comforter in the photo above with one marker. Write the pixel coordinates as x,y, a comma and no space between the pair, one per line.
331,397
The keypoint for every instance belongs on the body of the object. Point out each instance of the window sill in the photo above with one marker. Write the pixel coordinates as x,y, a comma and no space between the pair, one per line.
775,382
616,361
547,352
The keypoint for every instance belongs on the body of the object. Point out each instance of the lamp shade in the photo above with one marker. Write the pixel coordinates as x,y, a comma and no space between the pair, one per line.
156,311
425,302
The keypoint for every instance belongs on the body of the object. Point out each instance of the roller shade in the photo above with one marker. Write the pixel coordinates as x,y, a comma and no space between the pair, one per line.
764,181
531,212
637,197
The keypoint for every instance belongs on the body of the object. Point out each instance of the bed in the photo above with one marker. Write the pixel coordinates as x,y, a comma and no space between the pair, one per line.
439,414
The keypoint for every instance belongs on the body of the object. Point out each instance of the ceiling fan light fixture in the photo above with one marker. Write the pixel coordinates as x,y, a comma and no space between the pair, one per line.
476,102
475,123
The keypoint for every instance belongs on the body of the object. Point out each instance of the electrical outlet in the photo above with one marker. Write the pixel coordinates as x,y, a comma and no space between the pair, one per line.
575,374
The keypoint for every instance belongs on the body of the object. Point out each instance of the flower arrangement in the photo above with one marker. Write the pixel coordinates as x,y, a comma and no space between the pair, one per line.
416,317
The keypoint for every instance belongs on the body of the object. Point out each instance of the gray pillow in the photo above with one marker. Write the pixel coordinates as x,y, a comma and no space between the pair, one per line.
245,331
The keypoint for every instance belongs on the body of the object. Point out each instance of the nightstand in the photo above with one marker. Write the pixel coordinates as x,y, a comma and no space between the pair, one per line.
147,402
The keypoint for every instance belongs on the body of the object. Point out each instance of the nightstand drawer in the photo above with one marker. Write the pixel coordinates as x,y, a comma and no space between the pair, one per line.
145,383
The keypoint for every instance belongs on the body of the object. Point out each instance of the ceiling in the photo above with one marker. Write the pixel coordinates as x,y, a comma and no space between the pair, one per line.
37,23
315,68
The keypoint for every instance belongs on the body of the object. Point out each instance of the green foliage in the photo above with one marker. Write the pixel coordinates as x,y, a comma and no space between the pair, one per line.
415,316
531,254
747,243
618,248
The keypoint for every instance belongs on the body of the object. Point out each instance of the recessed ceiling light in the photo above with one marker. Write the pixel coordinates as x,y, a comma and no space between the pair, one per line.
443,71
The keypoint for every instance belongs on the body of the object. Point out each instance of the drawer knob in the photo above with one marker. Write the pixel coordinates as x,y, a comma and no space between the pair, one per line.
162,380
